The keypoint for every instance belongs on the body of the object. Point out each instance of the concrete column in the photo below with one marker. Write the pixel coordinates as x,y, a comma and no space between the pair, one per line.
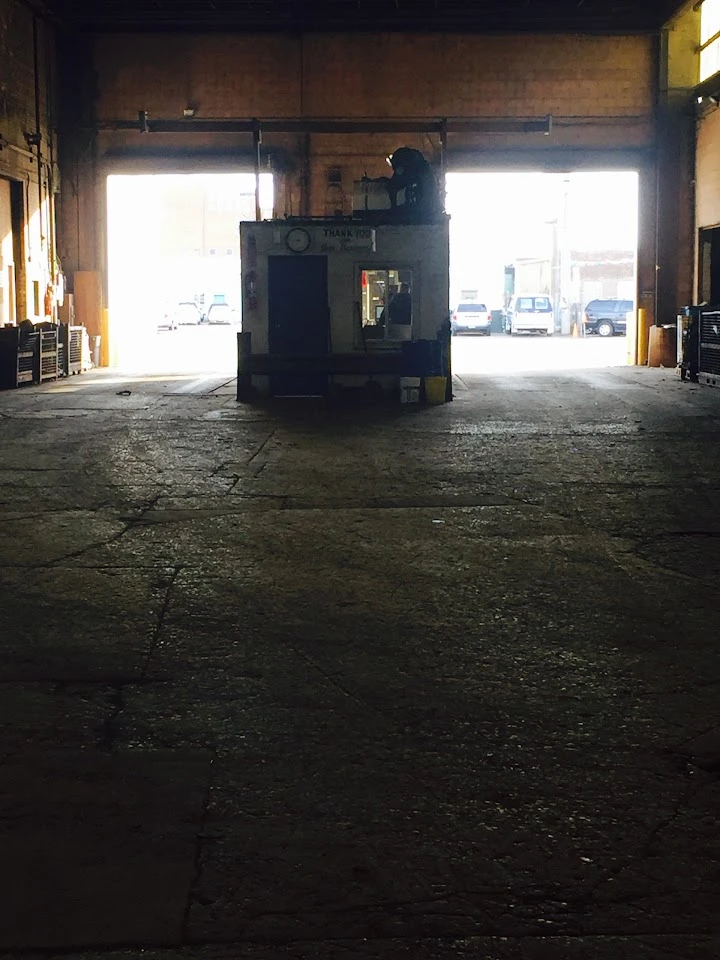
678,69
675,244
647,241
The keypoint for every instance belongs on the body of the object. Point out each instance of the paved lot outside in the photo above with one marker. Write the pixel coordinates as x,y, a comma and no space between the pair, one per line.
212,349
528,353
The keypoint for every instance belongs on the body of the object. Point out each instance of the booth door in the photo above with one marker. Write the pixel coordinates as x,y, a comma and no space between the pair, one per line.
299,319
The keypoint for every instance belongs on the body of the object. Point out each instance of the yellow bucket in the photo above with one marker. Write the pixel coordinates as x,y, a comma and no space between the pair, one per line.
435,389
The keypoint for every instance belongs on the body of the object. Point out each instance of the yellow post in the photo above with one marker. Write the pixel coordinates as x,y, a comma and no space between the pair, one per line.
631,340
105,339
643,338
435,390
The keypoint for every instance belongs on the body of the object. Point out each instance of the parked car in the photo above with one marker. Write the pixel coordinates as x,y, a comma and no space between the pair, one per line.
188,314
530,314
471,318
168,321
607,317
221,313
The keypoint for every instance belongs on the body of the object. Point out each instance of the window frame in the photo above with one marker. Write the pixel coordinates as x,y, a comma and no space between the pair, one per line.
394,267
709,38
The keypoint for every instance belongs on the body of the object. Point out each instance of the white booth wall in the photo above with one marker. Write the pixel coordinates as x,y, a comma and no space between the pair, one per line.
421,248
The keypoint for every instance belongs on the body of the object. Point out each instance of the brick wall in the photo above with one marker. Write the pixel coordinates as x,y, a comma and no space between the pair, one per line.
374,75
601,92
18,161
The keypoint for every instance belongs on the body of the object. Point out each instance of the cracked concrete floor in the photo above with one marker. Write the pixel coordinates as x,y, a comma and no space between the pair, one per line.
297,683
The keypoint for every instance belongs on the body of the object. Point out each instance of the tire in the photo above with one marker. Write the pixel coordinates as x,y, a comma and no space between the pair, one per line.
605,329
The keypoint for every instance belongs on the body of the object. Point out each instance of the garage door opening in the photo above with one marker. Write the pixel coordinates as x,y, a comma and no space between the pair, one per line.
543,269
174,269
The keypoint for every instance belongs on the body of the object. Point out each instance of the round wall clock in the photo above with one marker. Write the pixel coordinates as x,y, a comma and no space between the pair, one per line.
297,240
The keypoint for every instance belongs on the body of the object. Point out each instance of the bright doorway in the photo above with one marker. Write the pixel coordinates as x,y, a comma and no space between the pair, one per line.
560,245
174,268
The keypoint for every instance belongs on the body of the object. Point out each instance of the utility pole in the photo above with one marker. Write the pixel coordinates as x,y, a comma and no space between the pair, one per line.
565,262
555,274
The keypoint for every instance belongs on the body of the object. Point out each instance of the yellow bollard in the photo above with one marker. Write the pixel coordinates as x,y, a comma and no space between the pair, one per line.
574,331
105,339
643,338
435,389
631,339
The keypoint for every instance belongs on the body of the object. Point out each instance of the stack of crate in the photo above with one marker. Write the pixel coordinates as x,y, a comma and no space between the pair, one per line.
19,356
49,368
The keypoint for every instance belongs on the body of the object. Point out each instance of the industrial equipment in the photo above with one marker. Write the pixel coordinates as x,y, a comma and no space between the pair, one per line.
335,304
411,195
709,346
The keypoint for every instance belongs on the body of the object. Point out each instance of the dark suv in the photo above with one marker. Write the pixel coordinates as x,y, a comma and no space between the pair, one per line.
607,317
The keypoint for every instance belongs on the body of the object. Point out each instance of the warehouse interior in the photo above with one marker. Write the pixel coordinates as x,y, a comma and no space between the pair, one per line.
319,640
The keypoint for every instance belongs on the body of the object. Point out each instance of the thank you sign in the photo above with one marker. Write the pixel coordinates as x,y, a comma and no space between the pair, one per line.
344,237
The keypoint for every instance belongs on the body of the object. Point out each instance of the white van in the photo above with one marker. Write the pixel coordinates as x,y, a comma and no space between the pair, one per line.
530,314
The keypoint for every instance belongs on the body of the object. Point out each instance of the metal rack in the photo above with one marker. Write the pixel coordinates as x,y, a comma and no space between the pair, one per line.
75,354
19,356
48,358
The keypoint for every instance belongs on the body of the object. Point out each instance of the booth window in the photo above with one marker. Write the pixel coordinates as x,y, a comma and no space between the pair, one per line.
387,305
709,39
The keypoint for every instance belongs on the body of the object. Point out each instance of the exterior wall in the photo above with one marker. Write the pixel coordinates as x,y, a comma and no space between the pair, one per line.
598,275
28,259
532,276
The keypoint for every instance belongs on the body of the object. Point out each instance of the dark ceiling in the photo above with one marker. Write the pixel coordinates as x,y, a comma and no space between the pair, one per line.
616,16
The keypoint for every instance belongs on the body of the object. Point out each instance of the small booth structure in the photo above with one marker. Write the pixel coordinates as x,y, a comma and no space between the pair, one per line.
334,305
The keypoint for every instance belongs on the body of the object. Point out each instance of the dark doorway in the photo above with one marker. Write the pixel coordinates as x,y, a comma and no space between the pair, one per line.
710,266
18,217
299,319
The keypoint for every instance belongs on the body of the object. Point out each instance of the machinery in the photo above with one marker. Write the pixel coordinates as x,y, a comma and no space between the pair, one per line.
359,303
411,195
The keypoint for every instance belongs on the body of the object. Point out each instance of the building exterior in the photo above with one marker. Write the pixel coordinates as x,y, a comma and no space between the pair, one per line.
596,274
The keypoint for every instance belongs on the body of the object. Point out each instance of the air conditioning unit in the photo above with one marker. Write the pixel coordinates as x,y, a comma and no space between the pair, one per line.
709,348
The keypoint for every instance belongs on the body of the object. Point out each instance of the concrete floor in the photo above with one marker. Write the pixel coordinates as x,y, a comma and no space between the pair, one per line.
413,683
